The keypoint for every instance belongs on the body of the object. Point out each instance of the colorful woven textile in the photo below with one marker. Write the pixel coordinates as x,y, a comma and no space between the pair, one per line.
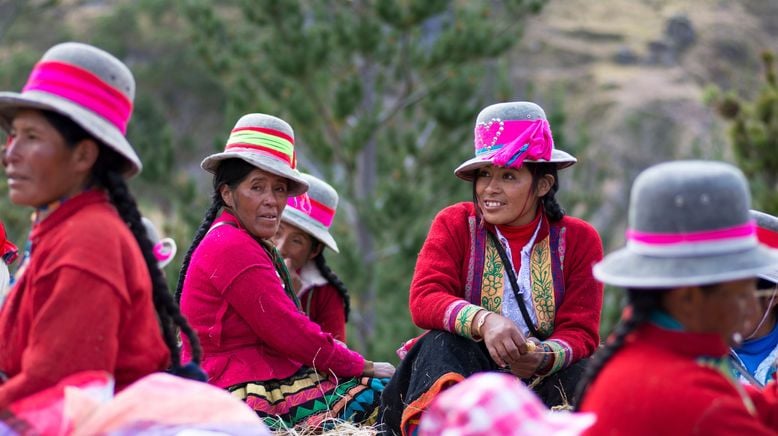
311,400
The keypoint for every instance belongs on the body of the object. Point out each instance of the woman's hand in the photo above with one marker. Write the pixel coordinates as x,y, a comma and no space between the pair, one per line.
527,365
297,282
383,370
505,342
378,369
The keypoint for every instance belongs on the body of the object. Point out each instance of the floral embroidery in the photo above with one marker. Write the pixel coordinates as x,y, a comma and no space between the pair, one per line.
543,287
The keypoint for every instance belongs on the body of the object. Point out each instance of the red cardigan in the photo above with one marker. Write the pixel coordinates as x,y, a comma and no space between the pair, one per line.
442,267
656,385
83,303
324,305
249,328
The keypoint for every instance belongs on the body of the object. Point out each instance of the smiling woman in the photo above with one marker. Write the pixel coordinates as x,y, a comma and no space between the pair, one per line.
504,282
236,291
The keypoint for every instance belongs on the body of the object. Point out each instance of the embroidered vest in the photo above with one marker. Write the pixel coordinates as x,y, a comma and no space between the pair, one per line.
485,285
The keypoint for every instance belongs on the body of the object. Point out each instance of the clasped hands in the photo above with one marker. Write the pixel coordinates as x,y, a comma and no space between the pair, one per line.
508,347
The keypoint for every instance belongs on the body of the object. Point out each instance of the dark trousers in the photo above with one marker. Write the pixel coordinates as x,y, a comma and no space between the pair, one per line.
438,353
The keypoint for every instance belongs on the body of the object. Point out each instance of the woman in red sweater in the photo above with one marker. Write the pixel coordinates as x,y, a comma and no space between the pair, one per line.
236,292
503,282
301,239
690,269
88,294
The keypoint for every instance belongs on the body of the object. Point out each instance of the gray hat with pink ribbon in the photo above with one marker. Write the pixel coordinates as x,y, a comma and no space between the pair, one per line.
689,224
509,134
767,233
89,86
314,211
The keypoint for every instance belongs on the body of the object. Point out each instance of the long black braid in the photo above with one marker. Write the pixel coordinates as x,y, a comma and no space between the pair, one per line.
105,174
642,302
230,172
334,280
551,206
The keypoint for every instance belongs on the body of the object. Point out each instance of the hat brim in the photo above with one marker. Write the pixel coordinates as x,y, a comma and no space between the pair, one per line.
466,170
297,185
165,251
628,269
309,225
104,131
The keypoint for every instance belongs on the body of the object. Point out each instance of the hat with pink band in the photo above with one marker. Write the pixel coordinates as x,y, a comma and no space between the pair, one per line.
314,211
89,86
689,224
509,134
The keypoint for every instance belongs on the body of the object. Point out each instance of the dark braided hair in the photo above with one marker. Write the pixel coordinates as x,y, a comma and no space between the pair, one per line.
538,170
105,173
230,172
642,302
334,280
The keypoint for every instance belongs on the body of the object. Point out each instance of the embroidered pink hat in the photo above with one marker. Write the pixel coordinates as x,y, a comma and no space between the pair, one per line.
509,134
689,224
314,211
267,142
86,84
491,403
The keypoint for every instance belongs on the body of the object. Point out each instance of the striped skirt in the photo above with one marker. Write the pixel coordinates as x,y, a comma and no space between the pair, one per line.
311,400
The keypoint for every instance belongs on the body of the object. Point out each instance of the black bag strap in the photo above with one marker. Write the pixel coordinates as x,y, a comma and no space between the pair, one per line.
508,267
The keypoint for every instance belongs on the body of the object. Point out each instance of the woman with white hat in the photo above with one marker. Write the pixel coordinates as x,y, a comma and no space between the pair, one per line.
503,282
754,359
690,267
301,239
236,291
88,294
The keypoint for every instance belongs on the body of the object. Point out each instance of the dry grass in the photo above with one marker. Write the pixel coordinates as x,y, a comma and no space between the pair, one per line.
341,428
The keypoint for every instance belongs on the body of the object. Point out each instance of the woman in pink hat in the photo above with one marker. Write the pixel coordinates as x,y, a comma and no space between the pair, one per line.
301,239
504,282
88,294
690,268
236,291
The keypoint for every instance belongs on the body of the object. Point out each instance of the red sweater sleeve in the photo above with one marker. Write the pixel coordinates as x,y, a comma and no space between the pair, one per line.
257,295
327,310
72,331
577,320
437,284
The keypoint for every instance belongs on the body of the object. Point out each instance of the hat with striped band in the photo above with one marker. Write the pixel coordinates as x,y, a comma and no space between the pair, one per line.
509,134
767,233
266,142
314,211
689,224
89,86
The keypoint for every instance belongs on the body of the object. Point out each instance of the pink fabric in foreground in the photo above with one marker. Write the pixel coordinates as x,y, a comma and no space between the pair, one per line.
736,232
83,88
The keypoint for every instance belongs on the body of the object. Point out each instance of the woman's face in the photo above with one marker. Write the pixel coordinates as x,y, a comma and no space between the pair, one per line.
257,202
727,309
505,195
41,168
296,246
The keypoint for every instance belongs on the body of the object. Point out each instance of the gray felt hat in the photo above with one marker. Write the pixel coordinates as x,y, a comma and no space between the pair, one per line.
313,212
267,142
87,85
767,232
689,224
498,125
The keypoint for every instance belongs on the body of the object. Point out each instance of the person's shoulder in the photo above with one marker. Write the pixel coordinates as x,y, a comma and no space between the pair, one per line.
578,227
456,211
226,241
95,225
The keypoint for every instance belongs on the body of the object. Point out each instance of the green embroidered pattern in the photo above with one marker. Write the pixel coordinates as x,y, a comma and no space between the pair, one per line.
492,283
543,287
464,321
558,356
